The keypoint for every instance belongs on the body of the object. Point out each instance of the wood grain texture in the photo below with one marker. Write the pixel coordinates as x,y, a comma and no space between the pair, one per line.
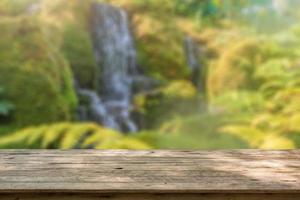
150,197
150,172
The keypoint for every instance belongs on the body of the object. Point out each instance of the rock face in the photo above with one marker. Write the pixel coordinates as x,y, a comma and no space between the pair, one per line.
115,55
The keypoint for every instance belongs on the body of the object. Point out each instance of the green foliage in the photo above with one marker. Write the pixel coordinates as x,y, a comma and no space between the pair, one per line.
179,97
160,46
77,45
180,89
210,12
36,78
5,105
234,67
193,132
253,81
78,50
239,101
275,123
14,7
260,139
70,136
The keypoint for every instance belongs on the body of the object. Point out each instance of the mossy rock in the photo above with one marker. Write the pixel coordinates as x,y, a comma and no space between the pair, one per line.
36,78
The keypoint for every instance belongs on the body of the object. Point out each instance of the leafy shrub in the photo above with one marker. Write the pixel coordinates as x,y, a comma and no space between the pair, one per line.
36,77
5,105
69,136
239,101
180,89
176,98
78,50
277,123
258,138
14,7
233,69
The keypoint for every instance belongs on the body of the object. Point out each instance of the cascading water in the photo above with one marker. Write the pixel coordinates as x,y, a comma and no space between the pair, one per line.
194,61
192,54
115,55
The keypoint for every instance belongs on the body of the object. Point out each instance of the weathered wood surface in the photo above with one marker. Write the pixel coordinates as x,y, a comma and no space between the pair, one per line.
119,172
170,196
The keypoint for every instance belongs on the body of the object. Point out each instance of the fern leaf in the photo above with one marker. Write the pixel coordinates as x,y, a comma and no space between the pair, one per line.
53,134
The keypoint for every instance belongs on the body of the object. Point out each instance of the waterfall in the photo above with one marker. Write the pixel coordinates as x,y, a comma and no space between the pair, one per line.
111,103
192,54
194,59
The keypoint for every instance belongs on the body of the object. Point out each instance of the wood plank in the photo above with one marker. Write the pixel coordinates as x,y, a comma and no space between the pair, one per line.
150,197
122,171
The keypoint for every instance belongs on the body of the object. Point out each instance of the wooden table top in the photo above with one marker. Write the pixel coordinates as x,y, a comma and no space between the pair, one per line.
93,171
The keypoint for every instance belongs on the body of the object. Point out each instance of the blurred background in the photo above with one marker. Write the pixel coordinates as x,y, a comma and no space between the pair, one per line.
150,74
